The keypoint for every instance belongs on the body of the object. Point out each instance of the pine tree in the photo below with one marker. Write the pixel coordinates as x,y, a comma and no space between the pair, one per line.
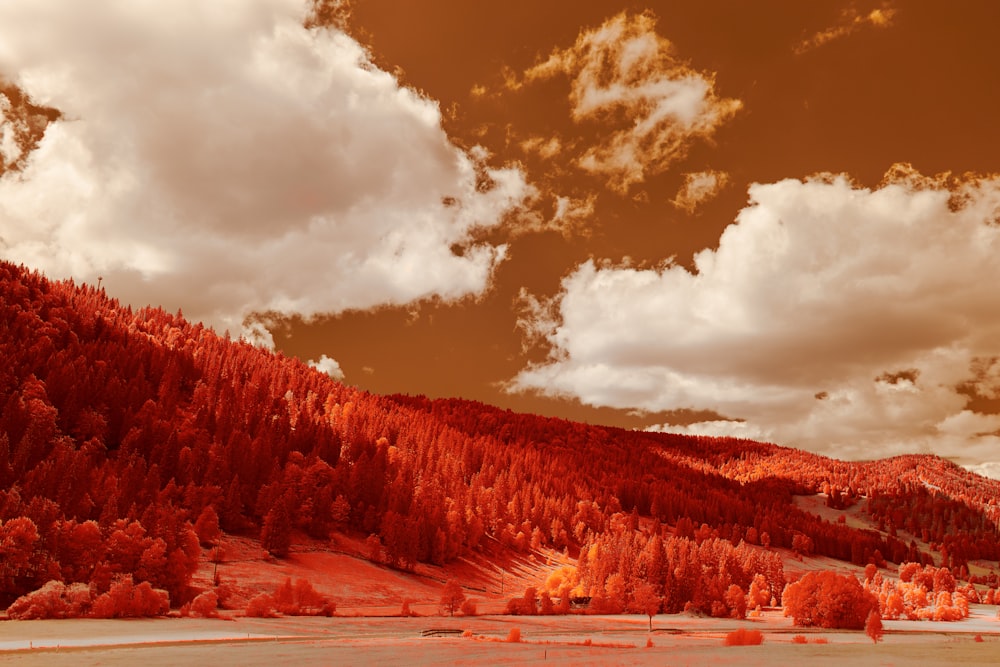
276,535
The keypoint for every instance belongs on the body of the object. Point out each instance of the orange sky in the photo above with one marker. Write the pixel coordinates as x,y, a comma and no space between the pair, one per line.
689,216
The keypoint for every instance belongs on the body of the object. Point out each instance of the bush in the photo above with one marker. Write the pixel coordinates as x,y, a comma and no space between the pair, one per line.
744,637
53,600
829,600
225,592
301,599
514,636
800,639
261,606
469,608
206,605
127,600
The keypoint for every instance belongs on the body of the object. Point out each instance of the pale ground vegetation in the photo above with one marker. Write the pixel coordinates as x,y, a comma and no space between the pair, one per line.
575,639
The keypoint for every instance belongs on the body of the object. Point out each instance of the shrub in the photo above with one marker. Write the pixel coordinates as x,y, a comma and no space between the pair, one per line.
261,606
206,605
224,591
800,639
53,600
744,637
829,600
301,599
515,635
526,605
469,608
311,602
127,600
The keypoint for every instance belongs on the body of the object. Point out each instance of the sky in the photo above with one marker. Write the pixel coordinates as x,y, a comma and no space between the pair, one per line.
775,220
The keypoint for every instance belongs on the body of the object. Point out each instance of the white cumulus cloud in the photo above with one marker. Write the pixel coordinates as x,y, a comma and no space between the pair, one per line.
327,365
220,157
841,319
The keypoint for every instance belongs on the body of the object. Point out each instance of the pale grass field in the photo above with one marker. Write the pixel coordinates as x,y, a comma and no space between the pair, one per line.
614,640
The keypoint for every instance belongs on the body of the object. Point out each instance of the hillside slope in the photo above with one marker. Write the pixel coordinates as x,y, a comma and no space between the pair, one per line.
121,430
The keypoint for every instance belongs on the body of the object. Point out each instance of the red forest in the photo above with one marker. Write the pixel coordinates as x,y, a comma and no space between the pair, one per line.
129,438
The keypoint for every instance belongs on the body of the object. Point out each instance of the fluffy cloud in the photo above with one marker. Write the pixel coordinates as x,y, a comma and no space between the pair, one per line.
699,187
841,319
328,366
222,157
627,77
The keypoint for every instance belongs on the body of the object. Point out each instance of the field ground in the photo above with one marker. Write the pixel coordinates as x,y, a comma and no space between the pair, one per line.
618,640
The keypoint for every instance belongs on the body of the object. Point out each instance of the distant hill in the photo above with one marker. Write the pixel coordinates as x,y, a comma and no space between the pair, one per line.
125,434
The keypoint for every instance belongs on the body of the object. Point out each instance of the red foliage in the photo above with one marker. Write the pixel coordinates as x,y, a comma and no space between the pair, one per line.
261,606
127,600
873,626
452,597
206,605
124,430
301,599
53,600
744,637
207,527
828,600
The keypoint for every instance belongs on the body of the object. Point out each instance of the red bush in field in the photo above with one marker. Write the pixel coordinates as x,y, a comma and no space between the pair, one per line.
127,600
301,599
261,606
744,637
206,605
53,600
829,600
526,605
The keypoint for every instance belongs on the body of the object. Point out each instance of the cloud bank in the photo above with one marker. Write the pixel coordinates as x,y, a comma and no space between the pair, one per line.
628,77
224,157
850,321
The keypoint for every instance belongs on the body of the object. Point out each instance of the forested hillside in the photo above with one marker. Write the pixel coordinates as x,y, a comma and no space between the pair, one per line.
126,434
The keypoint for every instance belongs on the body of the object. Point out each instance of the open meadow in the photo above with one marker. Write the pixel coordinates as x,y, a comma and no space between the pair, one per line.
434,640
